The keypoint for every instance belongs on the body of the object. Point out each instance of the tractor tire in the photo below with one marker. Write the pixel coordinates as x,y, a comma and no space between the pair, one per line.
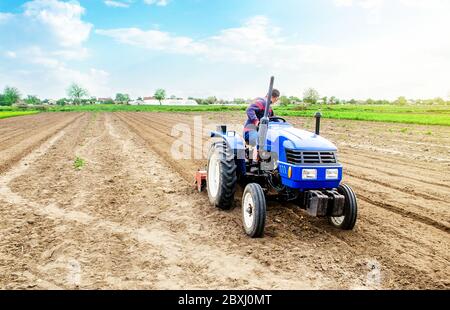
254,210
221,176
348,220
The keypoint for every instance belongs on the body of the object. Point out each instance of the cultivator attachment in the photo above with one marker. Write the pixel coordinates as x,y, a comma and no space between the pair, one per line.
200,180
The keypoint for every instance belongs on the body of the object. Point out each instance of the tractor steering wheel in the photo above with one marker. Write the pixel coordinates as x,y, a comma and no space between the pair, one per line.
276,119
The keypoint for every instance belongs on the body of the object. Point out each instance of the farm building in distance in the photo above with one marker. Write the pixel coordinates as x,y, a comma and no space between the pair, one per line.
153,101
103,100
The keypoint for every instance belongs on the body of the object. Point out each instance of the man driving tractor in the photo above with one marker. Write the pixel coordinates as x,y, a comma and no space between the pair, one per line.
255,112
278,161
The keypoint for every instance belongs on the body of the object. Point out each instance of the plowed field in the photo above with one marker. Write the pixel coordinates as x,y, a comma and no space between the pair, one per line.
130,217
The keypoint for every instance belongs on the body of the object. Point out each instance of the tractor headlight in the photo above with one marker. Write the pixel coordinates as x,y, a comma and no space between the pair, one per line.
332,174
309,174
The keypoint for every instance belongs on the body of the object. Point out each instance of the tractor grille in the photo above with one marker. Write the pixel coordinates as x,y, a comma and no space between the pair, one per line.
300,157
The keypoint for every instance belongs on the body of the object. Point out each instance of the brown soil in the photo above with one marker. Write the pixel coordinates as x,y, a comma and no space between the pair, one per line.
131,219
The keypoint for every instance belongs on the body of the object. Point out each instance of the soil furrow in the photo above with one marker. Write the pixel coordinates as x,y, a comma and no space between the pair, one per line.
403,212
129,217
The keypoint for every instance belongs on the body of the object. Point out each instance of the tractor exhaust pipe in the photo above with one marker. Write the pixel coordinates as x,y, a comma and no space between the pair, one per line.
318,116
264,123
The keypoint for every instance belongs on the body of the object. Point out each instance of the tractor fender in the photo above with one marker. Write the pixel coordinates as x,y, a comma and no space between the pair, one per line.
233,140
235,143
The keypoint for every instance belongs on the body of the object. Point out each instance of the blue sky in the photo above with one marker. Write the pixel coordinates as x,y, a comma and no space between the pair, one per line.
228,48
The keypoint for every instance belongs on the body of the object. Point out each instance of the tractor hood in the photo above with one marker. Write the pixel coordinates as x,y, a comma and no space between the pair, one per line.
286,136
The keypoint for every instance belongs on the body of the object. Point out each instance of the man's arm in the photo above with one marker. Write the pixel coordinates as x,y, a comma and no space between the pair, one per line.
258,105
251,113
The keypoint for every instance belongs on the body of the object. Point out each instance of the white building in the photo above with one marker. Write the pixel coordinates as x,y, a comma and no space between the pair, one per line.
176,102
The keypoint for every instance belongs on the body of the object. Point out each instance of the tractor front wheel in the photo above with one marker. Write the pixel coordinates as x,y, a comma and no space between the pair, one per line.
348,220
254,210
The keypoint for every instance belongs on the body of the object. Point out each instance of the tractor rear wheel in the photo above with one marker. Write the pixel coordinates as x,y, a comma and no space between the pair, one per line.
348,220
254,210
221,178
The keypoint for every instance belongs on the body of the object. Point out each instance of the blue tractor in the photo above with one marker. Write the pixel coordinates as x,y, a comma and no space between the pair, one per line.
293,165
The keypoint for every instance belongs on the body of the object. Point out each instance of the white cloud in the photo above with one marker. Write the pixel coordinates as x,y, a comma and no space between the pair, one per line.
75,53
4,17
370,4
155,40
62,18
257,42
55,74
365,4
343,2
412,61
116,4
372,7
427,4
46,58
157,2
10,54
378,4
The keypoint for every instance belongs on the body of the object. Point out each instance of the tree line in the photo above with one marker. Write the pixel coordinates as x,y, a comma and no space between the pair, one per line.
77,95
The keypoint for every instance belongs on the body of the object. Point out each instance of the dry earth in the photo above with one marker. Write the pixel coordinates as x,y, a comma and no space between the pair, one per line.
131,219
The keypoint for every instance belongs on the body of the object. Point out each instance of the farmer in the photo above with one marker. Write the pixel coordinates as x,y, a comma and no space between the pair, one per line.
255,112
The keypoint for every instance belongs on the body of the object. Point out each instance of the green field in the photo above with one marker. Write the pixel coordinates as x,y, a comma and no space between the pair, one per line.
425,115
142,108
6,114
408,114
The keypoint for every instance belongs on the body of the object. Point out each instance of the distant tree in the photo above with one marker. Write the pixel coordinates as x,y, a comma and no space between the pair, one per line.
122,98
284,101
127,98
61,102
160,94
295,100
239,101
352,101
11,95
438,100
32,100
325,100
380,102
401,101
173,97
211,100
200,101
76,92
370,101
140,99
311,96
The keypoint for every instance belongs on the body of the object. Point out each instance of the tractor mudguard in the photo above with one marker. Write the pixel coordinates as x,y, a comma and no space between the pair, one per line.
235,143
